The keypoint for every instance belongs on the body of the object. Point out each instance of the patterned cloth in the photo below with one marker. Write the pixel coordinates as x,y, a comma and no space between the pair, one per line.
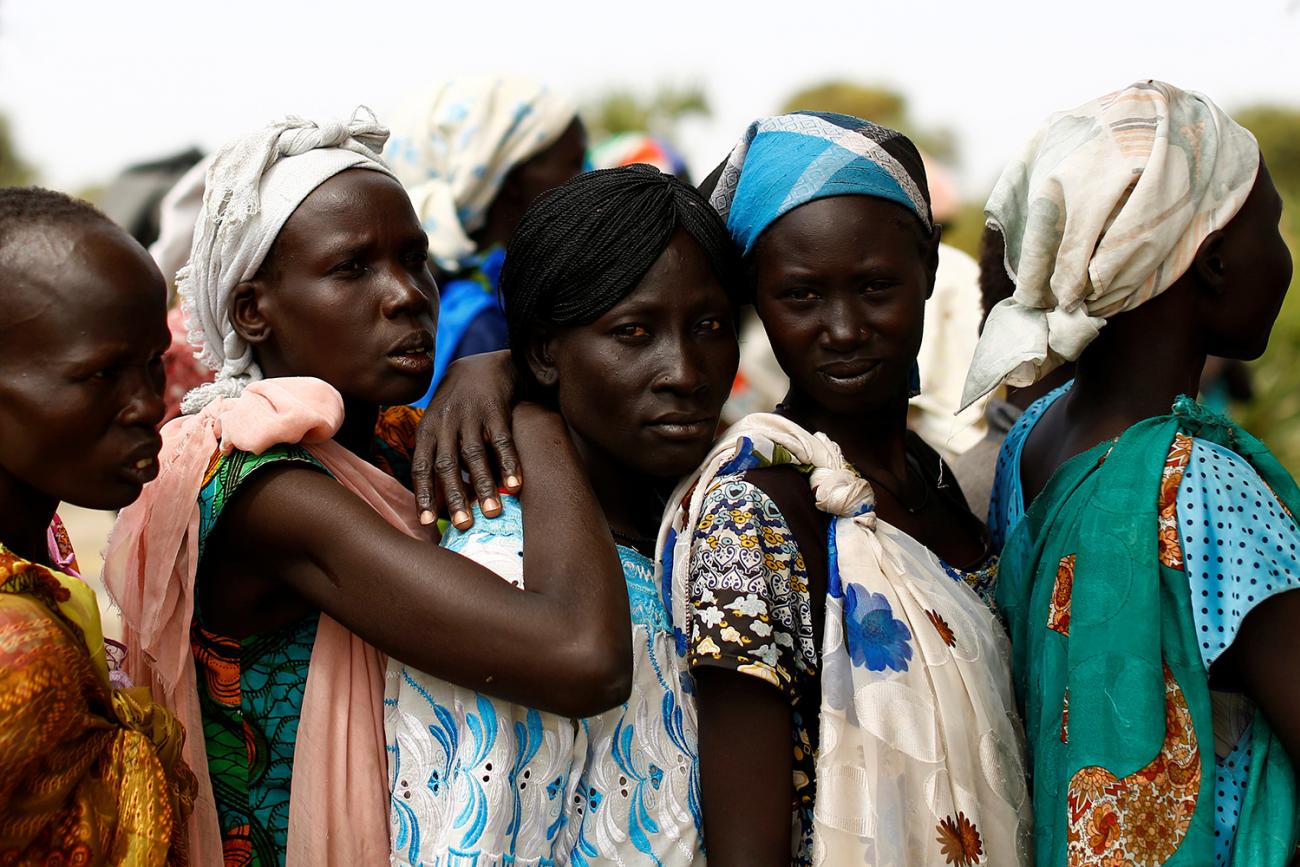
251,689
477,780
1075,581
918,755
630,148
89,774
1103,211
789,160
453,148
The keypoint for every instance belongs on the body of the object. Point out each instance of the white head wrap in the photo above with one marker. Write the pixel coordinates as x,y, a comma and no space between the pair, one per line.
252,187
1105,210
453,148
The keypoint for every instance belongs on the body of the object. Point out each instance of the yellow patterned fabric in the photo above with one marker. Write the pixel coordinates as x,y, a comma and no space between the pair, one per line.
89,775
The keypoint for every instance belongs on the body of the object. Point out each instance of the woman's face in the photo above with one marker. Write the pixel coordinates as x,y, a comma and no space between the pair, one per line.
81,378
644,384
346,294
840,285
1255,266
545,171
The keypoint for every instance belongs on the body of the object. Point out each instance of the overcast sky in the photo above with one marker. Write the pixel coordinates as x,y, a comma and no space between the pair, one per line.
91,86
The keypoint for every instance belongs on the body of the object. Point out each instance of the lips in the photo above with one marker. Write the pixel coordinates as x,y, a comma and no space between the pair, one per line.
413,354
141,464
849,373
684,426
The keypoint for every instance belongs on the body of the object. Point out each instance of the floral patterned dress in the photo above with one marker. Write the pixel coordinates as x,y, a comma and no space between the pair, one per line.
251,689
477,780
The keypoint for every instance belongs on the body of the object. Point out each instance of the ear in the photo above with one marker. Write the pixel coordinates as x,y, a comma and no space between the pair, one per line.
1208,264
540,354
931,247
247,315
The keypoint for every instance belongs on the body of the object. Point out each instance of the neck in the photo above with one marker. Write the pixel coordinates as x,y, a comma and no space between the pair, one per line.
633,503
25,518
874,440
357,433
1135,368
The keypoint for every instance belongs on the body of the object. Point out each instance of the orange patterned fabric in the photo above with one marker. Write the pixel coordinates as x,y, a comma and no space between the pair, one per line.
1142,818
1171,551
88,774
1058,610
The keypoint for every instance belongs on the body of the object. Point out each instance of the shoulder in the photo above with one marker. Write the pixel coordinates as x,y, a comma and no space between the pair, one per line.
228,473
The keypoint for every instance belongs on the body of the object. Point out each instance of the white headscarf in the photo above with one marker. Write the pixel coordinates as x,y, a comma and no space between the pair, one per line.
1105,210
454,146
252,187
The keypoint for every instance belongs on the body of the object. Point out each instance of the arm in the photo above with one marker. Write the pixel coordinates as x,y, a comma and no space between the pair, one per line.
469,413
562,645
1263,659
745,738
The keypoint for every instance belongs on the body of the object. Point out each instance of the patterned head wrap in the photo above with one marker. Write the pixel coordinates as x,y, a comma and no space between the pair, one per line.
789,160
253,186
453,148
630,148
1103,211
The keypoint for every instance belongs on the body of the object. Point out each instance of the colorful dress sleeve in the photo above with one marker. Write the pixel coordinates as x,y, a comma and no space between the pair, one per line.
395,441
749,589
1007,500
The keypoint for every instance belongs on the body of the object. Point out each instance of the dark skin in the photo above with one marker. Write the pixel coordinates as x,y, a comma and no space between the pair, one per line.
345,297
840,285
662,361
82,331
1225,305
479,439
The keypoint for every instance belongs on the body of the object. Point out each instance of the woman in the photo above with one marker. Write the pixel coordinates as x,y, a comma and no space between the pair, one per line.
89,774
1146,588
619,283
278,556
474,153
854,697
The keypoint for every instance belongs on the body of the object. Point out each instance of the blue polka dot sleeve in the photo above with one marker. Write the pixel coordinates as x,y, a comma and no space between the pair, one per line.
1239,544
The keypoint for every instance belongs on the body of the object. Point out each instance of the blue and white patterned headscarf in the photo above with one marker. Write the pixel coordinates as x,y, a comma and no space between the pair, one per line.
453,147
788,160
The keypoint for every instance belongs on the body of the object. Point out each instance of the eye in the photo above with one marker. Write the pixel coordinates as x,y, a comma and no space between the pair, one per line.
878,286
416,260
711,326
801,293
106,373
631,331
349,268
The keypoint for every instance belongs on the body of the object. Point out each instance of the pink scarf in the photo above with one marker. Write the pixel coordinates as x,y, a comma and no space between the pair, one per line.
338,813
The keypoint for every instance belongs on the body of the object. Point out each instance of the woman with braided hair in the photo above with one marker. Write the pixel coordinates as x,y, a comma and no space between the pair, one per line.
278,556
620,291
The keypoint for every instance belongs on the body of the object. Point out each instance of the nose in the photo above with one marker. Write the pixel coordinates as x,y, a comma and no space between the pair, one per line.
404,294
143,399
845,327
681,370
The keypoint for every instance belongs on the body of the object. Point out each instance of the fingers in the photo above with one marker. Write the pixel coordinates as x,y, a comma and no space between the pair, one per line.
446,466
426,443
474,455
502,441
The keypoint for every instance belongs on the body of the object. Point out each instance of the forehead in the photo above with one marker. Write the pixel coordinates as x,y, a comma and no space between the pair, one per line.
841,225
351,201
680,278
78,279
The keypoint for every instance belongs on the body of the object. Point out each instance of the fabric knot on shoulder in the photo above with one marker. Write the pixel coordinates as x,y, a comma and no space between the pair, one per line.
1204,423
842,492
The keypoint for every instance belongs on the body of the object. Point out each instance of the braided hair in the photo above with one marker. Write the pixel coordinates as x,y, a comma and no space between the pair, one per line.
585,245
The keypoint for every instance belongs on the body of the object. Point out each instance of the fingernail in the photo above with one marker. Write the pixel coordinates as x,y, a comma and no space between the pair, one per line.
512,481
426,517
491,504
460,518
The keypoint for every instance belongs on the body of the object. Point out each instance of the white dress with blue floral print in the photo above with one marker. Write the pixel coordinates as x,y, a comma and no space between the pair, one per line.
479,781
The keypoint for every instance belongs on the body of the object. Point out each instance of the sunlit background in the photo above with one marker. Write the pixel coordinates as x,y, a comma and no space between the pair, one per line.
90,88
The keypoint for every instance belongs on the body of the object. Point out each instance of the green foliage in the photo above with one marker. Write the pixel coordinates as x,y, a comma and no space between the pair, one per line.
623,110
14,170
882,105
1274,415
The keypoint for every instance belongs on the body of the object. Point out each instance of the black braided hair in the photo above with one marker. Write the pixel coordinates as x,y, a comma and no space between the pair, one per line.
585,245
28,207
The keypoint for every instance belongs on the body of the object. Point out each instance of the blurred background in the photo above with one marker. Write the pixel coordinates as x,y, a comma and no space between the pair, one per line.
115,101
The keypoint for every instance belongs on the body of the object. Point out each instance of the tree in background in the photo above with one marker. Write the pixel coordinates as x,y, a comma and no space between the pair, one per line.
1274,414
882,105
623,110
14,170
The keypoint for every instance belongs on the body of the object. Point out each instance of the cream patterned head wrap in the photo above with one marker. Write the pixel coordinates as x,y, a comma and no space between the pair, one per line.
453,148
252,187
1105,210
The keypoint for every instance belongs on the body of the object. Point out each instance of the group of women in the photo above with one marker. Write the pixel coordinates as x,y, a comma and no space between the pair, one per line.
641,641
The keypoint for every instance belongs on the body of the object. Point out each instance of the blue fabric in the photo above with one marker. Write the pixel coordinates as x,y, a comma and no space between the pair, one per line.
462,304
808,158
1007,503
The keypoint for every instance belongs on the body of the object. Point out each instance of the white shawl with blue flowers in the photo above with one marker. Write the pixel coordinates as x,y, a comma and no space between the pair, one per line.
921,752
